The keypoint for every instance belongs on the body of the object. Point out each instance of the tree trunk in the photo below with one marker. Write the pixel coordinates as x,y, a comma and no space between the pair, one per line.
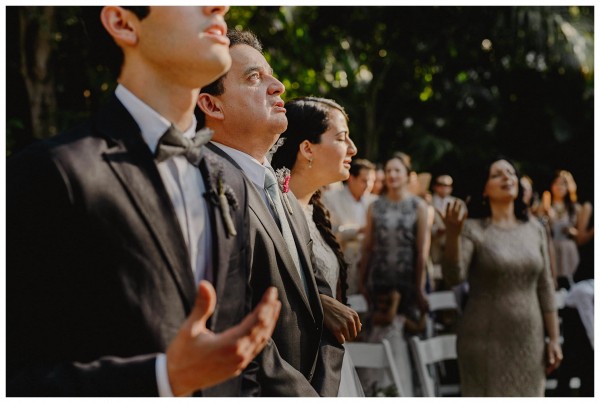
36,42
373,130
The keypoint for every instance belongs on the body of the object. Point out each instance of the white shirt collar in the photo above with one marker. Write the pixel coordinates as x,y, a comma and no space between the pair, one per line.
151,123
253,169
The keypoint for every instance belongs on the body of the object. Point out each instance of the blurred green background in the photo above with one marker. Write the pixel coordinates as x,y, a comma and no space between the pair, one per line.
451,86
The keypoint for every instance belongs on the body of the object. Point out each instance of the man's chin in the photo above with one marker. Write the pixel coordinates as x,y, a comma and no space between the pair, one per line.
217,67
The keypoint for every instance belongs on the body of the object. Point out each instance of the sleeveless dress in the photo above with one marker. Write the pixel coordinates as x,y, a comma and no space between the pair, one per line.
566,252
392,260
327,265
500,345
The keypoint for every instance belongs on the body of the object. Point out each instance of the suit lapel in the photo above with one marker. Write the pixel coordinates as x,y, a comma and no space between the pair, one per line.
258,207
300,231
131,161
220,244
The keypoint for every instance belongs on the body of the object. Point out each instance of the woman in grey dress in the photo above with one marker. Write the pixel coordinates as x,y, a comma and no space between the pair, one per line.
504,256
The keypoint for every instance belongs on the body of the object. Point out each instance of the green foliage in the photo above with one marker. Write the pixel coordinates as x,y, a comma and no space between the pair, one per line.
451,86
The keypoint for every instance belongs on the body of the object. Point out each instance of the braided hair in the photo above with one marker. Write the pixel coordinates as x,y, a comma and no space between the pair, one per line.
308,119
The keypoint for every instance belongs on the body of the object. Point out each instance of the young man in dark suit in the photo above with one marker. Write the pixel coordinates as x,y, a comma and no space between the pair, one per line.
113,229
245,110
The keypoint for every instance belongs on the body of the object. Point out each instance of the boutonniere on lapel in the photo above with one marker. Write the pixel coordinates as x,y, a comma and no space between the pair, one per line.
283,178
221,194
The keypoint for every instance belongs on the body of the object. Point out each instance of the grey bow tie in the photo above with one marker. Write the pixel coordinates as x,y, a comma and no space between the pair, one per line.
174,143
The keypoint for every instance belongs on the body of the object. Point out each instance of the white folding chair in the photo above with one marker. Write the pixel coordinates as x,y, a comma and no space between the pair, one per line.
560,296
358,303
438,301
377,356
430,351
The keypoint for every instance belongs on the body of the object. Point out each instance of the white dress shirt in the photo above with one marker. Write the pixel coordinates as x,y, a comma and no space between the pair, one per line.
254,170
185,187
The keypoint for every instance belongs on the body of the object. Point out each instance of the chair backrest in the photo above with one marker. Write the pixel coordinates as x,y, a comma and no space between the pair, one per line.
430,351
376,355
358,303
439,300
560,298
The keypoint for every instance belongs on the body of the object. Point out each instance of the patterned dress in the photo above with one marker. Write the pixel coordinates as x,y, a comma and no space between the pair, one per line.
501,349
392,260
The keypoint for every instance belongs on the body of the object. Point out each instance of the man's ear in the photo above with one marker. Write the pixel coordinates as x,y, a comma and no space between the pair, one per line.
121,24
211,106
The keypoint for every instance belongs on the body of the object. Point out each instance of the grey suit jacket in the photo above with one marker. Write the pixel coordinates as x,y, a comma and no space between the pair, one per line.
302,359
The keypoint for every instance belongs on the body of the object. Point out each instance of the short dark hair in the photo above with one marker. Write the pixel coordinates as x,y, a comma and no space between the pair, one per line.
104,49
359,164
236,37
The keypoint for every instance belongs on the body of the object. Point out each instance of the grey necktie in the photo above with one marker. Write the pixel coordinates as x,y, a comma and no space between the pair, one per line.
174,143
271,187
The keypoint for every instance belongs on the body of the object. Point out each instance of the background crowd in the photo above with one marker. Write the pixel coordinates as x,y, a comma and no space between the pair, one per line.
172,222
492,269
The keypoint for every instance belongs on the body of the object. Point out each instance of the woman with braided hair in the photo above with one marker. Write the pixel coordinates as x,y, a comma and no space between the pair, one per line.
317,150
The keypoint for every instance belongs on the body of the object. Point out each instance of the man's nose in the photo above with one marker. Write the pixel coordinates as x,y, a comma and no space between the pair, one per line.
221,10
276,87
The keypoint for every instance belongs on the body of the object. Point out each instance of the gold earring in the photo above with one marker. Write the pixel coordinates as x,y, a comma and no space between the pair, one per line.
310,163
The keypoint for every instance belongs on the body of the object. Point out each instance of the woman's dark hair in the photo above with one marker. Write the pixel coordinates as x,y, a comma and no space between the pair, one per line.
479,206
404,159
571,197
308,119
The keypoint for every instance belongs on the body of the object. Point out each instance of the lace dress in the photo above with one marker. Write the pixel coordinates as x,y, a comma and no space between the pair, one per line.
392,260
501,349
327,265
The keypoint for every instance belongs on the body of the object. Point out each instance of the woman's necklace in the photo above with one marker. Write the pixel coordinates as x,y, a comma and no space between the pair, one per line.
559,208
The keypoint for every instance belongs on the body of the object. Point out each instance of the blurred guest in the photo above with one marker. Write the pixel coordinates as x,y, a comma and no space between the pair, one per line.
585,270
318,150
396,245
442,192
501,348
568,229
348,208
532,206
378,185
530,198
385,322
442,196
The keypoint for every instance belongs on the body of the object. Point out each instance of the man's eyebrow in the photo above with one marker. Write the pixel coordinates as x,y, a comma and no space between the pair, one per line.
252,69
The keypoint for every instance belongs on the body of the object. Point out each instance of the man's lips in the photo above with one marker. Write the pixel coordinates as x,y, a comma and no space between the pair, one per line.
217,32
279,106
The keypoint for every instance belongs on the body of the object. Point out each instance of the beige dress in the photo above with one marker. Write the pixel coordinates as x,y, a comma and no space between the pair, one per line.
501,350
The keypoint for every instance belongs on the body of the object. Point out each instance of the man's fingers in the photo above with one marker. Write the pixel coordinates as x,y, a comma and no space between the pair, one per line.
204,307
258,325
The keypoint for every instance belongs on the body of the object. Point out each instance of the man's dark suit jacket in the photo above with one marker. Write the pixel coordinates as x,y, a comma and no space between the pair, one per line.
98,273
302,358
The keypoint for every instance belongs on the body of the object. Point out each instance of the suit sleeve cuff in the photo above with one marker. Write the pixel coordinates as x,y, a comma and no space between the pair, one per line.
162,377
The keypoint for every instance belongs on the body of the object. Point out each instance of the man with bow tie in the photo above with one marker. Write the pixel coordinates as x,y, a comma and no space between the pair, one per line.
117,231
